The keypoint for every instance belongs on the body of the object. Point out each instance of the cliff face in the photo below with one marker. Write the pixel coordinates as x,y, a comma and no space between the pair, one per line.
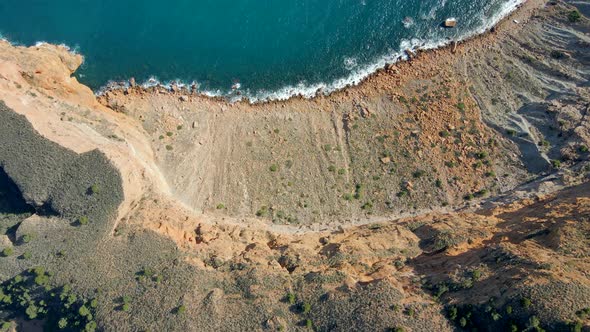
447,192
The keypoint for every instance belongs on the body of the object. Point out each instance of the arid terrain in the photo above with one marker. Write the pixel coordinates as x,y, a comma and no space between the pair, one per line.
448,192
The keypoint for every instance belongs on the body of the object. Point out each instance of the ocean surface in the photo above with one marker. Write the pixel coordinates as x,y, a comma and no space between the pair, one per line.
270,49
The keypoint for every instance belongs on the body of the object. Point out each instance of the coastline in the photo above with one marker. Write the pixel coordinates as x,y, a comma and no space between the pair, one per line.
408,51
184,92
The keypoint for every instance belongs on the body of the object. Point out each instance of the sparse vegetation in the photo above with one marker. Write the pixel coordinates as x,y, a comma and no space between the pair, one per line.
29,294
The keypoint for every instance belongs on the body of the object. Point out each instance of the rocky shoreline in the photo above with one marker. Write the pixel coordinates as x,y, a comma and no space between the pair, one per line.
186,91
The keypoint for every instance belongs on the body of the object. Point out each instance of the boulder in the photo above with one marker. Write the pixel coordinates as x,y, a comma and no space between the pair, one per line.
450,23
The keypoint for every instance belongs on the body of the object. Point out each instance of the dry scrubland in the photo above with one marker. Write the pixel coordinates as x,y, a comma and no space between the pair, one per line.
450,192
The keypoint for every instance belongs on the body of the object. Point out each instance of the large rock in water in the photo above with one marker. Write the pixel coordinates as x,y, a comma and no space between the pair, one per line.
450,23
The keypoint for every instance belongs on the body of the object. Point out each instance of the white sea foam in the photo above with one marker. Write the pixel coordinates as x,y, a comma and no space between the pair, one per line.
350,63
358,73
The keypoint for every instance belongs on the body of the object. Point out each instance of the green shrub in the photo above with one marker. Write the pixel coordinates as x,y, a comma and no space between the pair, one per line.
7,252
26,238
555,54
583,149
169,133
169,147
496,316
178,127
126,307
273,168
574,16
90,326
463,322
341,171
262,212
576,326
481,155
359,189
94,189
308,323
525,302
83,220
461,106
453,313
534,322
32,311
83,311
291,298
305,308
509,310
444,133
62,323
367,206
418,173
220,206
555,163
180,310
27,255
332,168
403,193
476,274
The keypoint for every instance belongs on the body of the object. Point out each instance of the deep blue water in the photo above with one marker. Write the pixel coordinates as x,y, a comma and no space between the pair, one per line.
265,45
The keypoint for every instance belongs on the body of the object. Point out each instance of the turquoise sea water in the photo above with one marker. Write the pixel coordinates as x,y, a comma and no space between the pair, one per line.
273,48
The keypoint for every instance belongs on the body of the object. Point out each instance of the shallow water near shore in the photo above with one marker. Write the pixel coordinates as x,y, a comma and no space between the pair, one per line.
274,50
